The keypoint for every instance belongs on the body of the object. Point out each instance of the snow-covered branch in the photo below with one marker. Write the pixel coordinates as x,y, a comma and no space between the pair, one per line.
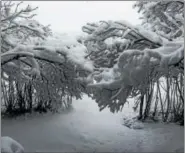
24,39
128,62
163,17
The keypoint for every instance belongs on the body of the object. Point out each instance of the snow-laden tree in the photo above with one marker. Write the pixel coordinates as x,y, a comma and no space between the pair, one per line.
140,58
141,62
166,18
61,83
18,30
37,67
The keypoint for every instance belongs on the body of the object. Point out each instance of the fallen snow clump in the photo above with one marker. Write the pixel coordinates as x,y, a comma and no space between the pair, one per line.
9,145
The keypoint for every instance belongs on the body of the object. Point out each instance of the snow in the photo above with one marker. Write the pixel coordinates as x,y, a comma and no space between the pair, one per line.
85,129
171,19
69,45
170,53
32,25
7,56
150,35
125,23
51,49
150,5
134,65
77,55
9,145
60,40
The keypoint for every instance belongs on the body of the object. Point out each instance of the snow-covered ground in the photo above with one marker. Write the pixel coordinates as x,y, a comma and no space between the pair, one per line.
84,129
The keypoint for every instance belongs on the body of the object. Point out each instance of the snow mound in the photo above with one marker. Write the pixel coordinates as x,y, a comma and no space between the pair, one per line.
9,145
132,123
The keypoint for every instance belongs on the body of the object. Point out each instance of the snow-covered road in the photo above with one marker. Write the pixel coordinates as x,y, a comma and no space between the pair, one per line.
86,129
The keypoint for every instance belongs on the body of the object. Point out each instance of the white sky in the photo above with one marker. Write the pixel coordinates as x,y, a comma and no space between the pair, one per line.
70,16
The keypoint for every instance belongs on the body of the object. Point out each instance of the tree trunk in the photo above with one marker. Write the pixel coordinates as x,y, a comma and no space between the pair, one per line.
141,107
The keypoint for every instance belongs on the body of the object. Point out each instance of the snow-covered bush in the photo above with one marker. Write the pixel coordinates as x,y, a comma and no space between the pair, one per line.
132,61
59,82
39,70
144,57
166,18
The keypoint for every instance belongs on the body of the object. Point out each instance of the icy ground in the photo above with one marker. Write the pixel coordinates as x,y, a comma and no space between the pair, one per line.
84,129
